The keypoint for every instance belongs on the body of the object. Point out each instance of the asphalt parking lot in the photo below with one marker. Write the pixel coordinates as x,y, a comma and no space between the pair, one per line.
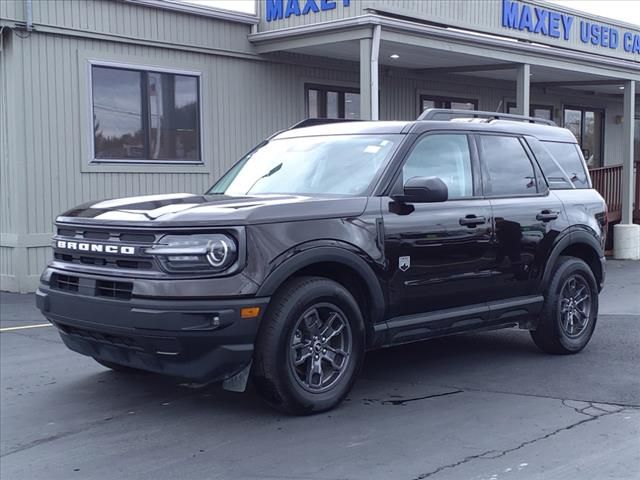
477,406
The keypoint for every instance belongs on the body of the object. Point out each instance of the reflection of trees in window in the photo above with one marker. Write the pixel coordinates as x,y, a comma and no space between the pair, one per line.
145,115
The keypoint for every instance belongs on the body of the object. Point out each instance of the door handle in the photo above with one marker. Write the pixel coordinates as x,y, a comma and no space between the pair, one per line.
547,216
472,220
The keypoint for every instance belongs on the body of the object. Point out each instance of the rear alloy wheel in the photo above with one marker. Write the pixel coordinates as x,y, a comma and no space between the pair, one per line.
570,311
310,346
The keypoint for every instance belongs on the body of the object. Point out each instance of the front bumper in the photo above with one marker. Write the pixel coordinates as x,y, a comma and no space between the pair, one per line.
202,340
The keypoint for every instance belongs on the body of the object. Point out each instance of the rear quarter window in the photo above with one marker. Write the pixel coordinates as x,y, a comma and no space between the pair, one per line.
554,157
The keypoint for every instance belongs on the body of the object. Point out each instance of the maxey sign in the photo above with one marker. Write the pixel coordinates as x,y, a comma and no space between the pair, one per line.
279,9
550,23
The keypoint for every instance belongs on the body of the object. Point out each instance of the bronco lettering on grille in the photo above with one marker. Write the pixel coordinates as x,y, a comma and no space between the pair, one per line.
95,247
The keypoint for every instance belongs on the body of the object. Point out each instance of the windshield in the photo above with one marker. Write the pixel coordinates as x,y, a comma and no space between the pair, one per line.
336,164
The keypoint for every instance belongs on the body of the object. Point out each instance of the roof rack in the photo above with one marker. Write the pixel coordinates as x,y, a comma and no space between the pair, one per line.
310,122
431,113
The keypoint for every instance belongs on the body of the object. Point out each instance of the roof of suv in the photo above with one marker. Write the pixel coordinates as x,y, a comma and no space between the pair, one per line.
539,131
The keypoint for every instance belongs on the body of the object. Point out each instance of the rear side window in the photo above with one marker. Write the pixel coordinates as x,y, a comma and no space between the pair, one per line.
507,166
568,157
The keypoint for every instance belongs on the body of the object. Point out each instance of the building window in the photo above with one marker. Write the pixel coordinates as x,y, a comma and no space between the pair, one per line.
588,127
333,102
429,101
145,116
538,111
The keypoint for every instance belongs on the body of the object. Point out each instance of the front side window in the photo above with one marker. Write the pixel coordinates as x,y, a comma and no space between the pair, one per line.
145,116
507,166
445,156
587,126
333,102
336,164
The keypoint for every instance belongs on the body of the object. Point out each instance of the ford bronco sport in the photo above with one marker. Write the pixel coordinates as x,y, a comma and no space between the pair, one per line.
329,240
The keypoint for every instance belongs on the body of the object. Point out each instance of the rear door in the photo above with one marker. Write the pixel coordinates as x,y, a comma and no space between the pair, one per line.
527,216
439,254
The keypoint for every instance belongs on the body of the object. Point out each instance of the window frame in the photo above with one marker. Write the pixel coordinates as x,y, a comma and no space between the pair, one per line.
582,111
322,98
141,68
445,99
476,172
542,187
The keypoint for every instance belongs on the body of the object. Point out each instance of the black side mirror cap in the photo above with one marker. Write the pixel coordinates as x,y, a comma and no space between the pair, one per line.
423,190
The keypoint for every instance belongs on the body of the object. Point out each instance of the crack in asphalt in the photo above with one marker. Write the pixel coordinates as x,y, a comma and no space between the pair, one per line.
404,401
492,454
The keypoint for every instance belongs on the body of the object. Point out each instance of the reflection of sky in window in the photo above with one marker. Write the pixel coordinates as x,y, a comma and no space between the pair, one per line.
186,90
117,101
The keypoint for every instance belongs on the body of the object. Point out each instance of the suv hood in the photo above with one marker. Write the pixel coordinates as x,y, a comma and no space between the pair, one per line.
183,209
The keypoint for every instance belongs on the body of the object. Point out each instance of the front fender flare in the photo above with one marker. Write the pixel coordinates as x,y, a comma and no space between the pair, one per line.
324,254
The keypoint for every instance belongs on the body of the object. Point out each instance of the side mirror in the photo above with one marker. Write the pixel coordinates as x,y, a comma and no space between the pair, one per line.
423,190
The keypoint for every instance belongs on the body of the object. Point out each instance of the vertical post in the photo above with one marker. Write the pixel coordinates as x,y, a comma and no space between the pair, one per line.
522,89
365,78
626,235
627,151
375,52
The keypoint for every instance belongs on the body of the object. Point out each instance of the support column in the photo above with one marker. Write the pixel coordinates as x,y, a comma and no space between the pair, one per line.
369,51
523,89
626,235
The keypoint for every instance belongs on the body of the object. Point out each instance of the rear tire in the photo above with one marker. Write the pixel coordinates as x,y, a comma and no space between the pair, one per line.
570,311
116,367
310,346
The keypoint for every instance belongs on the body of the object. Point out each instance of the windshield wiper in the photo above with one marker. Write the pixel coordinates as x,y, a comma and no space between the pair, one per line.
268,174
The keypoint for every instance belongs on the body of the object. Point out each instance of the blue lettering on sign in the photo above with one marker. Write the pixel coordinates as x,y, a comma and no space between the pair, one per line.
279,9
549,23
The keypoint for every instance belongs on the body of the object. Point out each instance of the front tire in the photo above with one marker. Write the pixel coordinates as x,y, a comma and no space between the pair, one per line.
569,315
310,346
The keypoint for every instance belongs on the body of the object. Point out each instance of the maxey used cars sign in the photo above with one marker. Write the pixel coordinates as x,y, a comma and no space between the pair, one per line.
279,9
550,23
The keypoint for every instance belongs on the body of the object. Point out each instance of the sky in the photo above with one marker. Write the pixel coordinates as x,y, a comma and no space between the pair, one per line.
624,10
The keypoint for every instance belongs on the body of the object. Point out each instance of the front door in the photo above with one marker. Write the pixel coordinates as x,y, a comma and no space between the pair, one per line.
439,254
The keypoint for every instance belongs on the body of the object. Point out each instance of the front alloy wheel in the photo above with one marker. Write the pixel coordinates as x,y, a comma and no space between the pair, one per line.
320,347
310,346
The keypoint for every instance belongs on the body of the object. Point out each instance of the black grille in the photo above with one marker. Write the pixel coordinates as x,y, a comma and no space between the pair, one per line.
68,283
116,340
138,239
111,289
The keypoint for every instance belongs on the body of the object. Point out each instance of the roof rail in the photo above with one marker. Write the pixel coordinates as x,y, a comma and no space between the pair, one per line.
431,113
310,122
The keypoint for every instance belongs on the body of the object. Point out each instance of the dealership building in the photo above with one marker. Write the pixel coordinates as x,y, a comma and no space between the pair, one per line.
113,98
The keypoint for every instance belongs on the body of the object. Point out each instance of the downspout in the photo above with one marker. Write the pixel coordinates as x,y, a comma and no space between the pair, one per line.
375,52
28,14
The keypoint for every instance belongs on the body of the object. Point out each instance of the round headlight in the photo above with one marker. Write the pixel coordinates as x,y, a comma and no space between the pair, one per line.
218,252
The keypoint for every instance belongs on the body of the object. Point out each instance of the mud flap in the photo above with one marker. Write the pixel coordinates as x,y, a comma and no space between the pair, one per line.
238,383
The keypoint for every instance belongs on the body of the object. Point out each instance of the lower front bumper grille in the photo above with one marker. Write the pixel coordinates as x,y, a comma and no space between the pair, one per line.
91,287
